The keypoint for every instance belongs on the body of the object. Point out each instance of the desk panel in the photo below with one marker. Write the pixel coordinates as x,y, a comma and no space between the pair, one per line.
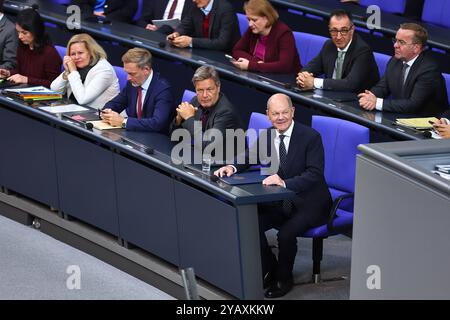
209,239
145,199
86,181
27,157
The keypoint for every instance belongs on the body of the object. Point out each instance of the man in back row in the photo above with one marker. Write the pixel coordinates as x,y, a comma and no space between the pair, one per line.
8,41
346,61
210,24
412,82
163,10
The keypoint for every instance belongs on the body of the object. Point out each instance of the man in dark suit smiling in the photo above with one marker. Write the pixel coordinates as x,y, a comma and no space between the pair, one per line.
300,153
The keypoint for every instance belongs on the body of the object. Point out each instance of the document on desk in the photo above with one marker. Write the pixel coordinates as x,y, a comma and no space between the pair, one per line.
167,22
248,177
100,125
417,123
64,108
32,90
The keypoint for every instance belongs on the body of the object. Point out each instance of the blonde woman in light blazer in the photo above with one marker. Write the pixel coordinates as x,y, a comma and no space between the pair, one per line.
88,77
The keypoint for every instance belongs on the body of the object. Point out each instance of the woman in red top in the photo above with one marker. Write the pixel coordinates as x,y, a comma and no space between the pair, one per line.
38,62
268,45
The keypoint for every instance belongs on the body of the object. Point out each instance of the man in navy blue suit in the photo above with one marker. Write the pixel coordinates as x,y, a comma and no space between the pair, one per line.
300,153
147,98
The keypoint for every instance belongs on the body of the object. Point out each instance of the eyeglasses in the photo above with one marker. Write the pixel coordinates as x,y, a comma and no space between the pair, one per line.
401,42
343,31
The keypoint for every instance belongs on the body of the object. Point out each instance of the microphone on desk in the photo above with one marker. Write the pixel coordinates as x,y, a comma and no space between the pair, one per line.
284,84
86,125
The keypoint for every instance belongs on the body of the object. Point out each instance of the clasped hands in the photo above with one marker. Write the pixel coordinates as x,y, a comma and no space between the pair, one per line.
69,65
273,180
111,117
367,100
185,111
16,78
305,80
178,40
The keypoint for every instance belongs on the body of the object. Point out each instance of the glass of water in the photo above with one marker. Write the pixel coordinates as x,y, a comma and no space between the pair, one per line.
206,163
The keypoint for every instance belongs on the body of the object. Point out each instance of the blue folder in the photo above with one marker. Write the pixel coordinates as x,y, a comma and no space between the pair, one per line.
247,177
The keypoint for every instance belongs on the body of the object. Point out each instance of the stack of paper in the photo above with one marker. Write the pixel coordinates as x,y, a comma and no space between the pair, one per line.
417,123
38,93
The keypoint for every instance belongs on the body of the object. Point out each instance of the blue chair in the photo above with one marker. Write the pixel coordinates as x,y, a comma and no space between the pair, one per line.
436,12
257,122
138,14
62,52
392,6
308,45
382,61
188,95
122,76
63,2
447,84
340,140
243,22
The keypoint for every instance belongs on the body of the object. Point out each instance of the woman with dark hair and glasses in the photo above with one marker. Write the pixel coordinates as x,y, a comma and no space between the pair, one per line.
38,62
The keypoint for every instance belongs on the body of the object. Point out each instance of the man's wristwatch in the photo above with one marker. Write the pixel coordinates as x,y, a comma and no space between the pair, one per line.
124,123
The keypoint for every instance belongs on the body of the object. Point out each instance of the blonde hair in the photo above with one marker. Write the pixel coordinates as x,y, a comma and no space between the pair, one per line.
142,57
95,50
262,8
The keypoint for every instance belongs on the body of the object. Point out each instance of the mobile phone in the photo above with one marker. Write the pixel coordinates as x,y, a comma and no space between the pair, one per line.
230,57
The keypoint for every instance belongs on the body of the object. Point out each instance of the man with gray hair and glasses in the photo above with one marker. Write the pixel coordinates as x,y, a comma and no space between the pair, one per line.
412,82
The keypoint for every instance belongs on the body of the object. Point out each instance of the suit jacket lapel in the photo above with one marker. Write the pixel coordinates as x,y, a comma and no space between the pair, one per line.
331,63
412,73
348,56
292,150
212,15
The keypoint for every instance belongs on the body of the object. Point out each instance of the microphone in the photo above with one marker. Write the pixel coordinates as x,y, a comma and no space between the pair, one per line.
283,84
149,151
83,124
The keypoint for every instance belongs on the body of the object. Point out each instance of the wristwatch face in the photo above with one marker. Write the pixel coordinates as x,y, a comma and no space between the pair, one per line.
124,124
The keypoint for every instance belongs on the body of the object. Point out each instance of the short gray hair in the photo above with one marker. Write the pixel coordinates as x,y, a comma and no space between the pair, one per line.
288,99
204,73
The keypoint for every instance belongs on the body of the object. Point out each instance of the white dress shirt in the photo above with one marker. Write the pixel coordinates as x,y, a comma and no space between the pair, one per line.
318,83
379,104
178,9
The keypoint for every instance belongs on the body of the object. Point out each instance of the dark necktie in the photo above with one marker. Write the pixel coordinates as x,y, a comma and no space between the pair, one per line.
204,118
404,76
139,106
287,204
283,155
172,9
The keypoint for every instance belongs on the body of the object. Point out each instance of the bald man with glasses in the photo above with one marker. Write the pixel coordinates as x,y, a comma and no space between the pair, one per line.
412,82
346,61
